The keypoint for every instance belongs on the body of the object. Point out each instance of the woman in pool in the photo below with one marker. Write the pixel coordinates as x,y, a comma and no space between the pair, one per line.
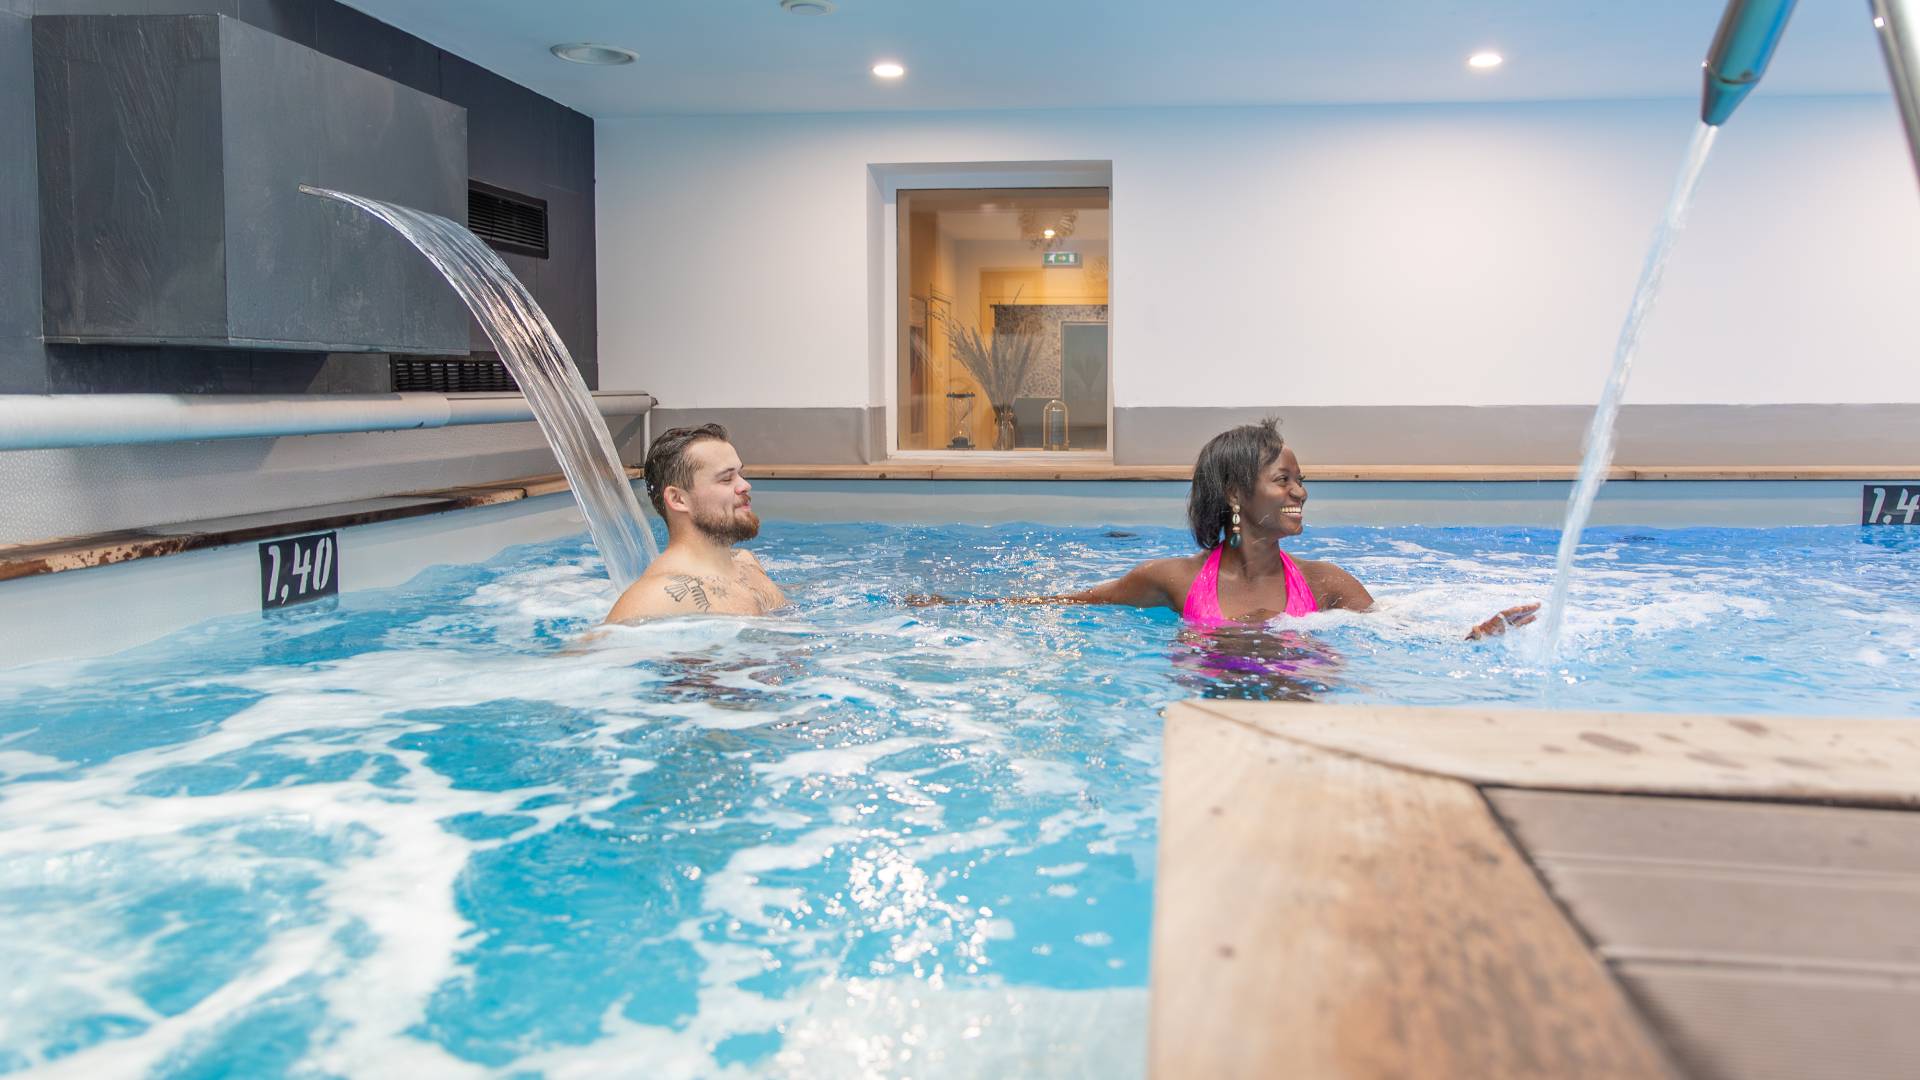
1247,497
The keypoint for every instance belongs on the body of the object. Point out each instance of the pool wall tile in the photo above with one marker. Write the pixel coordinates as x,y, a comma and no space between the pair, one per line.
1648,434
826,436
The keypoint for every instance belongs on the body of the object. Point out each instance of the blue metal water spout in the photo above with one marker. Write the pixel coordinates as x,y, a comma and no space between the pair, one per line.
1749,30
1741,48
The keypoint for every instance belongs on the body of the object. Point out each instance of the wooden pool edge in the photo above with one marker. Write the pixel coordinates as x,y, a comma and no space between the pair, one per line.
1337,896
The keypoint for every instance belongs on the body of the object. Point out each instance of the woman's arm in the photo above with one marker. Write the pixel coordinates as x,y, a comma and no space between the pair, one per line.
1513,616
1143,586
1335,588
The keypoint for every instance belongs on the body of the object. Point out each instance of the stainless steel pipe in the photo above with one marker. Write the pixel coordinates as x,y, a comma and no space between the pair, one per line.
1898,23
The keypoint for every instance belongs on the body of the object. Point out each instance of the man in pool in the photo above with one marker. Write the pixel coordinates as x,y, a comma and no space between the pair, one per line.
693,479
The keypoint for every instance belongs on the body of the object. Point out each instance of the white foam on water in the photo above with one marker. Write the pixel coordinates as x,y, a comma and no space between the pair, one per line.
834,760
21,763
1640,603
952,841
1038,778
853,1029
735,889
396,890
379,936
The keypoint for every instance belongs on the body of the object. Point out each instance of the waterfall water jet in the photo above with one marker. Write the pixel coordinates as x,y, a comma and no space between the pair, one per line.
1599,445
541,365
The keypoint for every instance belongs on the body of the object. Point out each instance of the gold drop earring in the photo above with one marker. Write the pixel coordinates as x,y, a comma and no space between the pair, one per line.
1233,536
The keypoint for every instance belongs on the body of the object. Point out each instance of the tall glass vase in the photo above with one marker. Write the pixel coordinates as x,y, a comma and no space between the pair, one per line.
1003,437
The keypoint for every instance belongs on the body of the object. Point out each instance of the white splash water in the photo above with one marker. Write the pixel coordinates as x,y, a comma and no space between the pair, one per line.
1599,445
533,351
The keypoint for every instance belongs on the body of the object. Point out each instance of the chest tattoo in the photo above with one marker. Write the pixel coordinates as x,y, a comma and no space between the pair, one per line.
681,586
703,591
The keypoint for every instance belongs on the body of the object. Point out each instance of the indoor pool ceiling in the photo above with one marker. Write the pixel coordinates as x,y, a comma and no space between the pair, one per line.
749,56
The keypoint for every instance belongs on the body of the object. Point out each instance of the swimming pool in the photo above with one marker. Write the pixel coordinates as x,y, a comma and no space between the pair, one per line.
433,832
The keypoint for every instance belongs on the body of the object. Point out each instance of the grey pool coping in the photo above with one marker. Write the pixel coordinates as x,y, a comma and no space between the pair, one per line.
1535,503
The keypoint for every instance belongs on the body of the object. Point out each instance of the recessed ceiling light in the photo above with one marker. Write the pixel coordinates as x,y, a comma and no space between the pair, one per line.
807,7
1485,60
887,69
582,52
1048,233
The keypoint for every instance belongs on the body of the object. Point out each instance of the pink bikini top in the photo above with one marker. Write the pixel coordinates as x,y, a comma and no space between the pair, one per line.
1203,596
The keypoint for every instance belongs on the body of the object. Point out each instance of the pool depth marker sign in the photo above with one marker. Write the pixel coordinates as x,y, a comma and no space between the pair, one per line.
299,570
1884,504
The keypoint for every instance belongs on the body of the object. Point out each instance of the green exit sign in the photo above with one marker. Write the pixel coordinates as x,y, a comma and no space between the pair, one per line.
1060,258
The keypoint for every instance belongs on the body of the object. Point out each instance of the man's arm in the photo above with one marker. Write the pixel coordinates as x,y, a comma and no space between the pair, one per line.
665,594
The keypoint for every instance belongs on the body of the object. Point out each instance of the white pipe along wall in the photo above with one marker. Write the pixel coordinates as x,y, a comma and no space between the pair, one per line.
49,421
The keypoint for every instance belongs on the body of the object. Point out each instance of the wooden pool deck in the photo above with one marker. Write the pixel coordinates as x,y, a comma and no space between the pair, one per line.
1349,891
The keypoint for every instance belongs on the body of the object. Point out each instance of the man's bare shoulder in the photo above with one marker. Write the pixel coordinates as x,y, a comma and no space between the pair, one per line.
662,591
753,577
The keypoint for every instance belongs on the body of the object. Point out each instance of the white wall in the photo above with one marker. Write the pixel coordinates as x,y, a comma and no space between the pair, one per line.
1419,255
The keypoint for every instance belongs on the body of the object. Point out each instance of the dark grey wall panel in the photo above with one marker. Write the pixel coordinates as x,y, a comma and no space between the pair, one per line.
522,141
301,269
346,34
21,368
526,143
172,150
567,285
295,20
131,214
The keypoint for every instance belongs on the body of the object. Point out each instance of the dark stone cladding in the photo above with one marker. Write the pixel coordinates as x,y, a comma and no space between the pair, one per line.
516,139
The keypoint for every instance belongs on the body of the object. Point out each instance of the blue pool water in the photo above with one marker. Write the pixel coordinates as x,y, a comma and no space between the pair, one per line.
433,832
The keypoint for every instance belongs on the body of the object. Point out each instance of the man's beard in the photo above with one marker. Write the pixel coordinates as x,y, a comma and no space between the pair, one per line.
728,527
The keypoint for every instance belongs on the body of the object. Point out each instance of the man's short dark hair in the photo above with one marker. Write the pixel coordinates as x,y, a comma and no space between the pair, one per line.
667,464
1230,463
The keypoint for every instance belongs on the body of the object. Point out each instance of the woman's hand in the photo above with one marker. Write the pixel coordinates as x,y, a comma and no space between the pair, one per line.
1513,616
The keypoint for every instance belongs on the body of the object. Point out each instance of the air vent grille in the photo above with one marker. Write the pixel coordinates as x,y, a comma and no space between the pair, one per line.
507,220
436,375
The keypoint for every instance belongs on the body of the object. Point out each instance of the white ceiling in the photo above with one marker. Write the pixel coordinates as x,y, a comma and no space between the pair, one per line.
734,56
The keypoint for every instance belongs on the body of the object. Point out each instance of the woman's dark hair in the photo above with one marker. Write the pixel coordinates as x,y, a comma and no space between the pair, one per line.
667,464
1231,461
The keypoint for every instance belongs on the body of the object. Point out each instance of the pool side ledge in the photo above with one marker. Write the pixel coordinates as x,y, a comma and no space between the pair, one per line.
1377,891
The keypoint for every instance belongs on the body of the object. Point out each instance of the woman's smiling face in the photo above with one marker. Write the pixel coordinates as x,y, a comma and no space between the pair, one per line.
1276,503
